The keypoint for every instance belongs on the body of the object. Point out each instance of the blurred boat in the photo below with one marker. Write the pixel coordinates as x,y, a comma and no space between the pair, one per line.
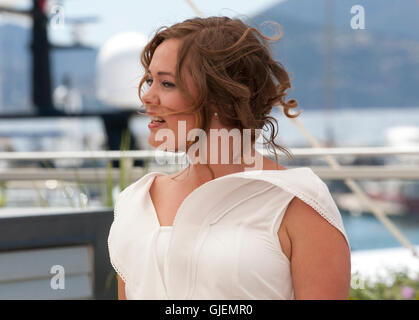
395,197
351,203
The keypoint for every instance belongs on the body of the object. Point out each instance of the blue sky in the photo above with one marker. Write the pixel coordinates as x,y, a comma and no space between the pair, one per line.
143,16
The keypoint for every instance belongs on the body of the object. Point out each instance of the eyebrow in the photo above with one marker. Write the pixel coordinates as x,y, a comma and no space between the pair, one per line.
163,73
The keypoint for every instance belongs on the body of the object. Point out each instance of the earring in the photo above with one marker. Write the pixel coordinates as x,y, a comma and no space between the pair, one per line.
215,114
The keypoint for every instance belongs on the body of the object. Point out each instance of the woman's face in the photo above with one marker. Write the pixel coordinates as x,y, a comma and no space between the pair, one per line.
163,95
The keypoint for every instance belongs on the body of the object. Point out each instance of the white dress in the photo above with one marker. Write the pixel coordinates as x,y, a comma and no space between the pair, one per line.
224,240
162,245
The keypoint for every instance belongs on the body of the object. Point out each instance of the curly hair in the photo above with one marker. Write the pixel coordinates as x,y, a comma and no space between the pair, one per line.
232,66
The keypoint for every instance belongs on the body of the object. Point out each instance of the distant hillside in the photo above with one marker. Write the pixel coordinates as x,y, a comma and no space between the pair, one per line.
15,64
14,67
375,67
392,17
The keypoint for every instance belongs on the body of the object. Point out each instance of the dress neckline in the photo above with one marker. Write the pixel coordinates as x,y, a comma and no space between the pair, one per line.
202,186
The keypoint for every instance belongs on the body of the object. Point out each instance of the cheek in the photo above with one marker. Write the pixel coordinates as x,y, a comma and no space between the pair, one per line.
181,127
181,123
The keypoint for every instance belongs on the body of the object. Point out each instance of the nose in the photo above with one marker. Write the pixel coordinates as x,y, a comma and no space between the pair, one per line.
150,96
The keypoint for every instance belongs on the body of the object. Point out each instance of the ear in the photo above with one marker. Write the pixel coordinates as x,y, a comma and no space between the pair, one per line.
212,107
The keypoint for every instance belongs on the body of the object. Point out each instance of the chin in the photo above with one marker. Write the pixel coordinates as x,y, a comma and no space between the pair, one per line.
152,142
160,145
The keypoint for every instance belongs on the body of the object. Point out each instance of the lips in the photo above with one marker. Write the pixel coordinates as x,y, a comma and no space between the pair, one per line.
158,121
155,124
155,120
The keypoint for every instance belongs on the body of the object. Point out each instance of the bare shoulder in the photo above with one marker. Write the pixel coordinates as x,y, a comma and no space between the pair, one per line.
301,219
320,256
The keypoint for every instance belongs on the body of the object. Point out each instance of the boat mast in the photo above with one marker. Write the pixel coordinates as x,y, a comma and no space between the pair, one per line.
329,98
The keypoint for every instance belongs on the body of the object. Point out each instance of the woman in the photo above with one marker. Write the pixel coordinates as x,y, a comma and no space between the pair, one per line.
246,228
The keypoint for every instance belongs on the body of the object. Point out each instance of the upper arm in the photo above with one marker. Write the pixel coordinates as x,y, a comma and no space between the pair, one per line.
320,255
121,289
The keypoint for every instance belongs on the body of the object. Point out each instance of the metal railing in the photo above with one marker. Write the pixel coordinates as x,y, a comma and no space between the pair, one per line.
145,154
335,171
94,175
408,172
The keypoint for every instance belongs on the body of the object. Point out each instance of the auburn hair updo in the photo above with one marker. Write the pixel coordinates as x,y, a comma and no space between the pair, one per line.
234,71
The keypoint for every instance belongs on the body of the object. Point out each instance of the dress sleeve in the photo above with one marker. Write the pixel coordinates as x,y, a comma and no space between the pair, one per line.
316,194
325,205
116,206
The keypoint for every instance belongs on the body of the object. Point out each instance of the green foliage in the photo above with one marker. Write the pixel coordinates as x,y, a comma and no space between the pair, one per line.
125,165
124,179
110,278
3,189
109,185
399,287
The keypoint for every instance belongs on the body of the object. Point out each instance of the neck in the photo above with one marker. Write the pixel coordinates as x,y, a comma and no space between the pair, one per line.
222,161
